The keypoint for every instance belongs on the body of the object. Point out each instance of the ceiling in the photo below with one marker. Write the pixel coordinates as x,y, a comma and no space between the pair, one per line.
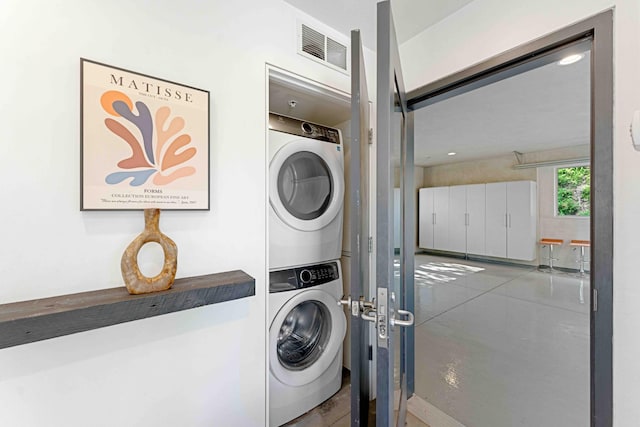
544,108
411,16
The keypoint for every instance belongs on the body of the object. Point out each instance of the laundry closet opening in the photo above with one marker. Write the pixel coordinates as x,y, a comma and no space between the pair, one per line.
309,127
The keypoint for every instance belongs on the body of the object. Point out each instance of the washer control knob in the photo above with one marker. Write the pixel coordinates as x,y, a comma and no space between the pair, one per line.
305,276
307,128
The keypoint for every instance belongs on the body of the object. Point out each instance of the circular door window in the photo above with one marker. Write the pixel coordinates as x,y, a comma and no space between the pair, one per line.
305,186
304,335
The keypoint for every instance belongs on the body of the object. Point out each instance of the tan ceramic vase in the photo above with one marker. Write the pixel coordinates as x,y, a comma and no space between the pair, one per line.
135,281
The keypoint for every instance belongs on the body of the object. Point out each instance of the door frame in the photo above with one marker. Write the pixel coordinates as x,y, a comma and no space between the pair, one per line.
599,30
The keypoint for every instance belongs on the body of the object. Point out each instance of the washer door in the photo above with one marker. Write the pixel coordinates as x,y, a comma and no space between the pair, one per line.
305,337
306,184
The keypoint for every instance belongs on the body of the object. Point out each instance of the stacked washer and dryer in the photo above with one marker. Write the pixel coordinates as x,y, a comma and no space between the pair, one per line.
307,325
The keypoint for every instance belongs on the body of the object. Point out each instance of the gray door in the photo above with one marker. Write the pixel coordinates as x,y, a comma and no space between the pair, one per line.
391,307
394,284
358,191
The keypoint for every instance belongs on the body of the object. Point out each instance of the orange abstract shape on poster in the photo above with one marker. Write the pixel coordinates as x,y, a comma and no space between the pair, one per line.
172,158
175,126
108,98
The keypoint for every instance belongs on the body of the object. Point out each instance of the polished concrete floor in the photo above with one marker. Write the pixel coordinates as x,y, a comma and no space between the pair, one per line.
502,346
496,346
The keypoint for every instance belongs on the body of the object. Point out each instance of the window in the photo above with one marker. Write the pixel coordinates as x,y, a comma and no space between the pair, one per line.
573,191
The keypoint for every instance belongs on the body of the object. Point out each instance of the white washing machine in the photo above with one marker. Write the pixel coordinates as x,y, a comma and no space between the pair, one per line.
306,330
306,192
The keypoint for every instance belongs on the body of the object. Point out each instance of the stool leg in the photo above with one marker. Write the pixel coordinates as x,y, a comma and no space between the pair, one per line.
551,257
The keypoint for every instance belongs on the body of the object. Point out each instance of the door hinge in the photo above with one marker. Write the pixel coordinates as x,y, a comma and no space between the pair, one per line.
595,300
370,135
370,352
370,244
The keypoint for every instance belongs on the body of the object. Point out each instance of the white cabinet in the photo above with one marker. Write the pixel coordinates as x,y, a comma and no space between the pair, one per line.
441,217
511,210
476,219
496,219
521,220
466,219
426,222
433,227
457,219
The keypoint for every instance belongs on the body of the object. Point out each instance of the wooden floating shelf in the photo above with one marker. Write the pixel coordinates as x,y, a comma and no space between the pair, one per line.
29,321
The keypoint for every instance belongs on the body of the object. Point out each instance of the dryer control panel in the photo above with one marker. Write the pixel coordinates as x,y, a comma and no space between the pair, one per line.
303,277
301,128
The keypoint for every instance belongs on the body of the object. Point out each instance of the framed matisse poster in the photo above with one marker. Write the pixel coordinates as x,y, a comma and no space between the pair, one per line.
144,141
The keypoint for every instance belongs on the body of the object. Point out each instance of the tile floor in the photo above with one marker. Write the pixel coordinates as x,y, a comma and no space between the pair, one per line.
502,346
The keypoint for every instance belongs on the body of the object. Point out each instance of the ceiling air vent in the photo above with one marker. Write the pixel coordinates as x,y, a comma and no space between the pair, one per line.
313,42
322,48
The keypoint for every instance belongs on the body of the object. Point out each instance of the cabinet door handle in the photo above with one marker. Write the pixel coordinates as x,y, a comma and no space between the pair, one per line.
433,218
509,220
505,220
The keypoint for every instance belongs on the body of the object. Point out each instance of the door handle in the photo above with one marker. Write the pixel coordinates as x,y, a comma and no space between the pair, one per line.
359,307
365,315
410,318
377,311
371,315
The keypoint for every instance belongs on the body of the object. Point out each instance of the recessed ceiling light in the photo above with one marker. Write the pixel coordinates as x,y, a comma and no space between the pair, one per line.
571,59
451,153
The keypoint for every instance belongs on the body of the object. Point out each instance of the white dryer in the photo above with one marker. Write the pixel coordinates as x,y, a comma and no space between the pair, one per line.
306,330
306,192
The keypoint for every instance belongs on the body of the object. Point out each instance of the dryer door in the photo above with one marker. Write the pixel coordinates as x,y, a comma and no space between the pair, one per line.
307,184
305,337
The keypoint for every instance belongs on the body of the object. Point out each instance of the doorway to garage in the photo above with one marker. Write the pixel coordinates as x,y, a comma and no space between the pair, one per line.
552,324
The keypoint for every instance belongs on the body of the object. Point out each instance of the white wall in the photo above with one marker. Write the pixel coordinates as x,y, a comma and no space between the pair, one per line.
485,28
494,169
200,367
